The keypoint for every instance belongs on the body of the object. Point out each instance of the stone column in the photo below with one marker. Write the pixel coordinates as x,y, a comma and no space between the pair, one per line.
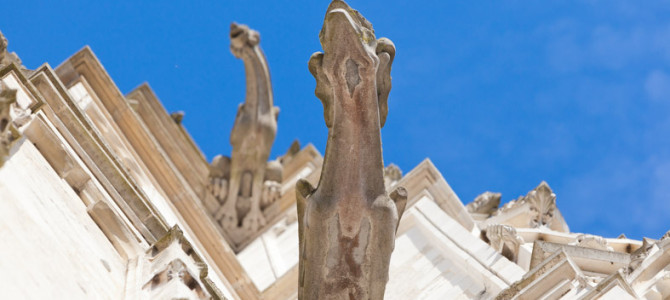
347,224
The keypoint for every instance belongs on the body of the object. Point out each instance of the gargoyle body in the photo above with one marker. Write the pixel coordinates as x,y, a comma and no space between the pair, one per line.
347,224
252,135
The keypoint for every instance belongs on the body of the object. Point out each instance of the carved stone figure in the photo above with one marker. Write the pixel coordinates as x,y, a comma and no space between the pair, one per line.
591,241
504,239
485,203
8,132
347,224
7,58
392,174
252,136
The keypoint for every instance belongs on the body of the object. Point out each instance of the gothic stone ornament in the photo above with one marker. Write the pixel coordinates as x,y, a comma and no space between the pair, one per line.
639,255
591,241
246,185
504,239
347,224
485,203
7,58
8,132
541,202
252,137
392,174
542,205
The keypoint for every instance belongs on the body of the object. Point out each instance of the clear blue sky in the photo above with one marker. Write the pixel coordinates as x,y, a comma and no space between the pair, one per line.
499,95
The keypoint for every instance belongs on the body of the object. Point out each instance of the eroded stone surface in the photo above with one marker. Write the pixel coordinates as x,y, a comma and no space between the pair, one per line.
8,132
246,183
504,239
348,223
485,203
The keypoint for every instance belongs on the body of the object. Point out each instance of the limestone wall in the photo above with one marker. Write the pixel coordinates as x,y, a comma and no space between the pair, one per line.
51,246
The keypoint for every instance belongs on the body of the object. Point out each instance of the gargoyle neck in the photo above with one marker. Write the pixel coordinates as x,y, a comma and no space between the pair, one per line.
259,89
354,154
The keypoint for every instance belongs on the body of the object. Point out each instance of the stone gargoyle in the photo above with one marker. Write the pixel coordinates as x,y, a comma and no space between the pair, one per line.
347,224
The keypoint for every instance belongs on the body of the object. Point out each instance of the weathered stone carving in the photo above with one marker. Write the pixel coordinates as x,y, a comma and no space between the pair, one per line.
665,236
591,241
219,174
541,202
174,270
177,116
392,174
253,133
290,153
639,255
8,132
6,57
245,184
485,203
347,224
504,239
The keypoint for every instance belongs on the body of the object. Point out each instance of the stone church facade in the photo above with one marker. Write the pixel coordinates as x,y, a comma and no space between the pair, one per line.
106,196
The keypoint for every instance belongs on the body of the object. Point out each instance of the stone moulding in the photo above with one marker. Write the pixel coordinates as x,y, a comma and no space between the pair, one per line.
347,224
19,101
97,155
172,258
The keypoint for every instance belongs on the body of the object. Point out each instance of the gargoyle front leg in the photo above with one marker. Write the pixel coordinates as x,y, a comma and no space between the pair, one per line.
255,219
227,214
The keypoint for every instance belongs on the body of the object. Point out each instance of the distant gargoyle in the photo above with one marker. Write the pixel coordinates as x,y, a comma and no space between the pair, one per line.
252,135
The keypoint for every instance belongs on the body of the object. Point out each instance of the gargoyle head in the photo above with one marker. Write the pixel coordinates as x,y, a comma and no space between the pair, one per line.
348,39
241,37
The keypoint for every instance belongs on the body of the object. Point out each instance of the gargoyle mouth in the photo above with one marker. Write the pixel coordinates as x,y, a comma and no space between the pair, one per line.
241,36
343,22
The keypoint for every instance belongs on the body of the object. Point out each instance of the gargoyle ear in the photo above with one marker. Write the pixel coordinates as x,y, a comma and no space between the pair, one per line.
275,112
323,89
386,52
